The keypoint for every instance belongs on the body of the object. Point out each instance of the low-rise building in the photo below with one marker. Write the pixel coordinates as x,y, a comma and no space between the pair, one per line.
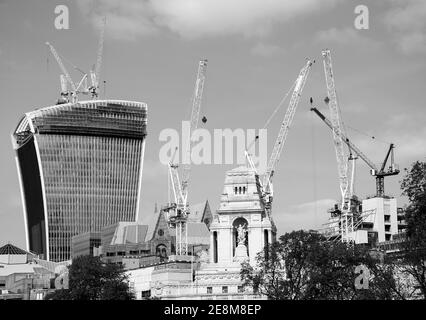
22,275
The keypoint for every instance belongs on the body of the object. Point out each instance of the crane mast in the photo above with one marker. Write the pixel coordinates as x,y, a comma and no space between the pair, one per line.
338,130
95,72
180,207
195,115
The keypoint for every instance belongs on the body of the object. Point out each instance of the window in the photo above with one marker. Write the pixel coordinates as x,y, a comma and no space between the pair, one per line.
209,290
240,289
236,190
387,228
387,218
160,232
225,289
146,294
244,190
387,237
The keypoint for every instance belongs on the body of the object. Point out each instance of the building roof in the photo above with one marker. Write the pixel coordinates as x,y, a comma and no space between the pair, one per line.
196,212
50,265
152,225
112,118
198,233
11,249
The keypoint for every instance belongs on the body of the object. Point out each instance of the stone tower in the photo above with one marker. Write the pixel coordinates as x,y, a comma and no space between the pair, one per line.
240,228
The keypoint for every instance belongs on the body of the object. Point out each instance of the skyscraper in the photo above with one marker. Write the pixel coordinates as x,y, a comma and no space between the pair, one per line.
80,168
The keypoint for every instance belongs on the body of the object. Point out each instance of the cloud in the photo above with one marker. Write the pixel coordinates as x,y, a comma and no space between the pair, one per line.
407,23
309,215
124,21
266,50
346,36
197,18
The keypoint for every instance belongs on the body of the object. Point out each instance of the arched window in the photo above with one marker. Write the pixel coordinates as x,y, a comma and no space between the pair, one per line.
239,189
235,190
161,251
244,190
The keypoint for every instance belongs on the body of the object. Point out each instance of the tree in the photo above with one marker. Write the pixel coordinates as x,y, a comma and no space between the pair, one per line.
386,282
91,279
304,265
282,268
413,186
333,271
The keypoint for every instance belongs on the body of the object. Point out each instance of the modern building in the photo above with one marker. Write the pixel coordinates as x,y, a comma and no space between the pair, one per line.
384,220
84,244
375,220
80,168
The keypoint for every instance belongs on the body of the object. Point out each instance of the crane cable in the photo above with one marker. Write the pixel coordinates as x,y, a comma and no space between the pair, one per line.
314,184
279,105
274,112
368,135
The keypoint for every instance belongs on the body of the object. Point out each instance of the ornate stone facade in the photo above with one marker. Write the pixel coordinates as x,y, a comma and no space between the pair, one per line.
240,229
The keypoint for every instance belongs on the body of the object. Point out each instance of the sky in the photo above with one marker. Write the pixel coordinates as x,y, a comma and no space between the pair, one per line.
255,50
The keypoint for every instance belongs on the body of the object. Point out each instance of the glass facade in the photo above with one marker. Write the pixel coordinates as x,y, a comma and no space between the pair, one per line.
80,168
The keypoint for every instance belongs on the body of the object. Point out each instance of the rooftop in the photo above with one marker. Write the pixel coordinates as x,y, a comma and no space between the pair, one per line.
11,249
112,118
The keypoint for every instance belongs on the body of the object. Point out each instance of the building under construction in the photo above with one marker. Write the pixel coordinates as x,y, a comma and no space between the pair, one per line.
371,220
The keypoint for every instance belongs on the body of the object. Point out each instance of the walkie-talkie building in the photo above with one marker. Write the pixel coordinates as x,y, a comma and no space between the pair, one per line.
80,168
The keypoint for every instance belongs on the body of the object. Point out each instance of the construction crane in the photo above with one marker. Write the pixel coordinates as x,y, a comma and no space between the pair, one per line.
68,95
71,95
338,130
381,173
95,72
266,186
180,207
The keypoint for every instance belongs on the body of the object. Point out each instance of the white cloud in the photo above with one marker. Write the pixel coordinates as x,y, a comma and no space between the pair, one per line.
346,36
266,50
197,18
309,215
407,22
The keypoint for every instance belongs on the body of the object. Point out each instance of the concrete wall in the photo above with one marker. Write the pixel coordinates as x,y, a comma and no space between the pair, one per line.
13,258
140,280
383,206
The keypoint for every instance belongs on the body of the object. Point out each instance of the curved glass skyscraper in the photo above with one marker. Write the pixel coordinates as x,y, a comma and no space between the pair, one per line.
80,168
